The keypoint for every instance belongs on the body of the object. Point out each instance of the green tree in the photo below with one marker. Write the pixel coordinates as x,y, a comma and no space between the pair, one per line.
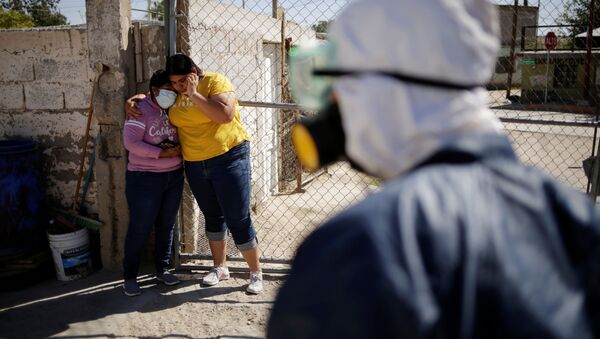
577,13
157,10
321,26
43,12
12,19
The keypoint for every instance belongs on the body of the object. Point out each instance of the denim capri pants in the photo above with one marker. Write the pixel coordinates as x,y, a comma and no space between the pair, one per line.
221,186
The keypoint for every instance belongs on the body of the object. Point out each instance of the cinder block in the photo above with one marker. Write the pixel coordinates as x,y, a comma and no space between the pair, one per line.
42,95
10,40
201,40
77,95
257,45
239,45
62,70
220,42
15,68
50,42
248,44
78,40
11,96
53,40
209,62
247,66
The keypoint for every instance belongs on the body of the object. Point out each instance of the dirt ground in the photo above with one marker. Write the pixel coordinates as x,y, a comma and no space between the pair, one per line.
95,307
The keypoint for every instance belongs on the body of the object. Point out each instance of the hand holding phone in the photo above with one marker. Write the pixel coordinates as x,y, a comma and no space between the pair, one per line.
174,151
166,144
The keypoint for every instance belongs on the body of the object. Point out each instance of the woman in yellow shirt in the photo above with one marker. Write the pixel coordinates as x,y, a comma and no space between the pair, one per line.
216,152
216,155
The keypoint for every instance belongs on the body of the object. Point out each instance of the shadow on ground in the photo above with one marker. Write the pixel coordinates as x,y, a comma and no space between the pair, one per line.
98,305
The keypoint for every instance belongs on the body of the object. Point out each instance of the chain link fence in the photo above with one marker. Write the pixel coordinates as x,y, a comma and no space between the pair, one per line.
544,89
546,82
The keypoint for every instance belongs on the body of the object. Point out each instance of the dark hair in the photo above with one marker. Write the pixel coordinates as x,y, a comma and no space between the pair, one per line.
158,79
181,64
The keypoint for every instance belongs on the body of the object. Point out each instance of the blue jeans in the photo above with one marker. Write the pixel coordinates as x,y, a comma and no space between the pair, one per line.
221,186
153,200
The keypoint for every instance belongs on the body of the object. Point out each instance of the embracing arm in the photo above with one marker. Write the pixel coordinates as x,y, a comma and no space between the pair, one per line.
131,107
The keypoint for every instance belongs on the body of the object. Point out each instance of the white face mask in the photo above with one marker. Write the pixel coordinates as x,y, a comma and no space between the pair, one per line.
166,98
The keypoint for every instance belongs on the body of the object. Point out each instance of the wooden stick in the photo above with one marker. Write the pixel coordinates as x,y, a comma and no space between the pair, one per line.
85,143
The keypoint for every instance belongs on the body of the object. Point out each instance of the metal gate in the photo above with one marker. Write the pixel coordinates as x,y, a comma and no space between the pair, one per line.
546,99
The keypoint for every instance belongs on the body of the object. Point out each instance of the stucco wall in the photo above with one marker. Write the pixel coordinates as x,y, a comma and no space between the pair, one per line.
246,47
206,14
45,88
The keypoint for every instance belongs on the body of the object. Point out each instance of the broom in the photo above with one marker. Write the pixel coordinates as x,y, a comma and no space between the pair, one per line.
73,215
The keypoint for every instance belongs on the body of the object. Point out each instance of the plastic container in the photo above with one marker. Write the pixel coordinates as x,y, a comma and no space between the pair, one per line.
71,254
21,197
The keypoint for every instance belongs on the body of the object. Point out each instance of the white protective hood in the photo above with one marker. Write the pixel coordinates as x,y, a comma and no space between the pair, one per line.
392,126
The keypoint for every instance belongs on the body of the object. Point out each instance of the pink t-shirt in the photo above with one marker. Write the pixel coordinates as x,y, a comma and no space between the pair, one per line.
142,136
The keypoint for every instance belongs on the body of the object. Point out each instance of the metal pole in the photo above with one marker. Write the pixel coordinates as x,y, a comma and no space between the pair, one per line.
588,61
523,34
170,27
593,152
299,188
275,6
512,48
547,68
595,170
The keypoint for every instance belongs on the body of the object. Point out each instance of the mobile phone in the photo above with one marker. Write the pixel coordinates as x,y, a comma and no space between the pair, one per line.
165,144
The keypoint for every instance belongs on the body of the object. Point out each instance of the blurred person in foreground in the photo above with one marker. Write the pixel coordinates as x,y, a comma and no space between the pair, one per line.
462,240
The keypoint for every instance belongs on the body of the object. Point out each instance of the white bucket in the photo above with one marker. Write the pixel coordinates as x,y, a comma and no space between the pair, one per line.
71,253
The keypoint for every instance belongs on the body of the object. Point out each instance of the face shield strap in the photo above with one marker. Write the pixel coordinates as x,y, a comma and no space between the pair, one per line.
398,76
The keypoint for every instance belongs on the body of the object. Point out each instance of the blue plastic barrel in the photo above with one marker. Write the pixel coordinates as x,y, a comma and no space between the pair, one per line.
21,197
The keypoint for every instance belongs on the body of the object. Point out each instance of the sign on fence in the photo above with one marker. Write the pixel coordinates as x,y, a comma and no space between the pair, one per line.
550,41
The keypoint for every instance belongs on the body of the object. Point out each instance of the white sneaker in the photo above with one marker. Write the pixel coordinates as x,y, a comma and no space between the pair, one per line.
256,283
215,275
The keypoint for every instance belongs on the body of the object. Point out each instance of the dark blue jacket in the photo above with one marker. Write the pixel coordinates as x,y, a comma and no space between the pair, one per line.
470,244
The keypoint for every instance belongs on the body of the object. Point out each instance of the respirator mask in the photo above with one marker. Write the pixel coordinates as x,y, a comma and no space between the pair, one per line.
166,98
320,139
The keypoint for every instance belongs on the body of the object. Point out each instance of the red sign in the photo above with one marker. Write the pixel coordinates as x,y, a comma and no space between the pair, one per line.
551,41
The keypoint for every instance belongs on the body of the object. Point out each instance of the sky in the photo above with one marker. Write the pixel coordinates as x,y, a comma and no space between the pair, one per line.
74,10
302,11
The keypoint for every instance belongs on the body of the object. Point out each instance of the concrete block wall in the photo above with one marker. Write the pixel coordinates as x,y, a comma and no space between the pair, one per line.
153,53
45,88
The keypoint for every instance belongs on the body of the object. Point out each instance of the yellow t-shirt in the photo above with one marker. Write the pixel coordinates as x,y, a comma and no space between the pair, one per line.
200,137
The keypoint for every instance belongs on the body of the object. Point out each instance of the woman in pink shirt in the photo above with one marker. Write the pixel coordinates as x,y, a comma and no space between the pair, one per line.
154,182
